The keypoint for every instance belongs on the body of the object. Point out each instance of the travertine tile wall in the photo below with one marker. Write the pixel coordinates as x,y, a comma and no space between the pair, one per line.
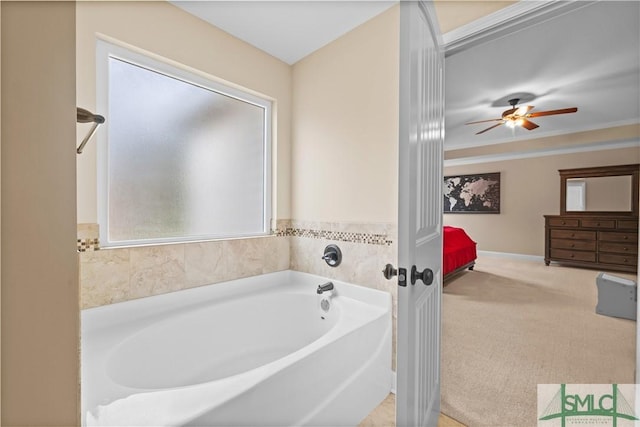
366,248
119,274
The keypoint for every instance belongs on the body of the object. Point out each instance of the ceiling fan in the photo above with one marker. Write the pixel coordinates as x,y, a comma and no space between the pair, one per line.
519,116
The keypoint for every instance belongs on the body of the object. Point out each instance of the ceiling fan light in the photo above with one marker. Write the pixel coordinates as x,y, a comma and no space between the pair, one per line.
519,122
521,111
510,124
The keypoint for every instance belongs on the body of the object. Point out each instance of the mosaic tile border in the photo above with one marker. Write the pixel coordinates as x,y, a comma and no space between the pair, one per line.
90,244
342,236
284,230
88,237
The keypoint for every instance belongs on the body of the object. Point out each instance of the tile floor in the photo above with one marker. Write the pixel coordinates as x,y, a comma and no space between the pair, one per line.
385,416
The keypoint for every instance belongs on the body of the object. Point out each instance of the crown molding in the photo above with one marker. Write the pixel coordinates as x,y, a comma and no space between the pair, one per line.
508,20
540,135
554,151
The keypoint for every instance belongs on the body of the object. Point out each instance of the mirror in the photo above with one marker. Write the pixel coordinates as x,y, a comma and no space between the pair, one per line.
597,194
601,190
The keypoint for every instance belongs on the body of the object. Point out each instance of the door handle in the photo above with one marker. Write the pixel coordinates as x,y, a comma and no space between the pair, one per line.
425,275
389,271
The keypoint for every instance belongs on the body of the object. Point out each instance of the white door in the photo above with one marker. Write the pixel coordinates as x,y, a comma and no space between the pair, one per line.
420,214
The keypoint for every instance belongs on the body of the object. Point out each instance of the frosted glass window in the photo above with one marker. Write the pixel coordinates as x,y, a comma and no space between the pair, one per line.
185,161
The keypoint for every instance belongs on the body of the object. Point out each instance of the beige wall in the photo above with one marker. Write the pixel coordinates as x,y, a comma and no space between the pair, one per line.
345,127
163,29
40,327
456,13
530,188
0,216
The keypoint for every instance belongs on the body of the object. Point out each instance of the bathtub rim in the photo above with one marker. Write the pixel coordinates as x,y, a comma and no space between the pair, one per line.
124,312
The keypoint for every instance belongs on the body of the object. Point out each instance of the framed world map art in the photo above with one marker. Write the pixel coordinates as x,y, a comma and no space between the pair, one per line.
478,193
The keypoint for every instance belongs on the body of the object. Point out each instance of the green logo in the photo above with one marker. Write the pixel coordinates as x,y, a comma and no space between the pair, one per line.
586,404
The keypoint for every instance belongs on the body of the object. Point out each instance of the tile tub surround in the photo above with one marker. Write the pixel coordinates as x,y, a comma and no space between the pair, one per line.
114,275
366,248
118,274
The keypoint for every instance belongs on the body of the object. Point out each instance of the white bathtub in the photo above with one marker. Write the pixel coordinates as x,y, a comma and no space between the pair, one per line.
250,352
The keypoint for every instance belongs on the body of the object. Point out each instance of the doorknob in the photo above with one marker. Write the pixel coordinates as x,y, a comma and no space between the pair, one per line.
426,276
389,272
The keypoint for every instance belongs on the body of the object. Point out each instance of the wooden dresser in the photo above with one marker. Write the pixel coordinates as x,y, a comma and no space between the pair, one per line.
604,242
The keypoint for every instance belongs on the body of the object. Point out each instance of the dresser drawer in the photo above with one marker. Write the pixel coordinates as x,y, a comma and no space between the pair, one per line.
585,245
571,234
563,222
619,248
611,236
627,224
618,259
574,255
598,223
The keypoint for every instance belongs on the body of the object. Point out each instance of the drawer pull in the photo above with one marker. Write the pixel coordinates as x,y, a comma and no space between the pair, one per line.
573,234
626,237
573,255
564,223
573,245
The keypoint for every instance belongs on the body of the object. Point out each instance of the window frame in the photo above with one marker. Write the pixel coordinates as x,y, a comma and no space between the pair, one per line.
106,50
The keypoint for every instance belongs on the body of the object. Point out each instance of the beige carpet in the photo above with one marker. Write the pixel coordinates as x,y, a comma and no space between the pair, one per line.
510,325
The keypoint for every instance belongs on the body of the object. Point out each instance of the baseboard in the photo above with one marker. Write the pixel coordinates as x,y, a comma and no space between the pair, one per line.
523,257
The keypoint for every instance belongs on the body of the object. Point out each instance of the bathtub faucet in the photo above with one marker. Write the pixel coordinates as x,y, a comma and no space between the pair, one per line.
326,287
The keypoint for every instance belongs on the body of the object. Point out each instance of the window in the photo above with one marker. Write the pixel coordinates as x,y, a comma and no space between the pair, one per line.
576,192
185,158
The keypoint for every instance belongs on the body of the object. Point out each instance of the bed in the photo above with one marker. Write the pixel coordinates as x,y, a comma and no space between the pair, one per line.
459,251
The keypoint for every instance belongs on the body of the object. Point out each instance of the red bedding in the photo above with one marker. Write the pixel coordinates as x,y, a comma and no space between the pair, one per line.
458,247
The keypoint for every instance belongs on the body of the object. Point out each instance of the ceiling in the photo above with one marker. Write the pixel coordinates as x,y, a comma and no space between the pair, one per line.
587,58
288,30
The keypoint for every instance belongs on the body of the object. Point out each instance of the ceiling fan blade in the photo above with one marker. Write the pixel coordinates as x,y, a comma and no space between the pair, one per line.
484,121
528,124
489,128
552,112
